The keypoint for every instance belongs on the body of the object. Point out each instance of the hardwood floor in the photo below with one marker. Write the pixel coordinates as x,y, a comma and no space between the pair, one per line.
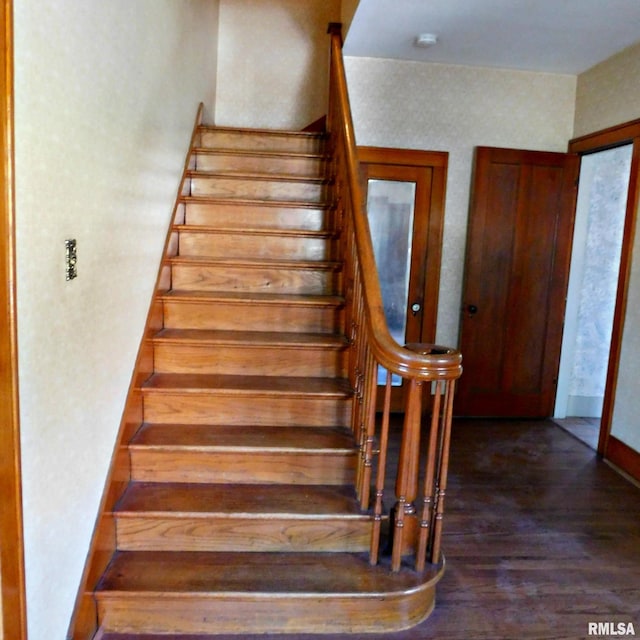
540,537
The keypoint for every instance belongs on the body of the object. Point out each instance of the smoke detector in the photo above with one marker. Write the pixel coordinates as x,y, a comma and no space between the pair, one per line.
425,40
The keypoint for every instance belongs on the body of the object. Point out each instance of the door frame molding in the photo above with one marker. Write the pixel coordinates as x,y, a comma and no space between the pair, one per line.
12,576
627,133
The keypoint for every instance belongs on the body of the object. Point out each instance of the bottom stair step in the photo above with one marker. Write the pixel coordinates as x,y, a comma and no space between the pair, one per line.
241,593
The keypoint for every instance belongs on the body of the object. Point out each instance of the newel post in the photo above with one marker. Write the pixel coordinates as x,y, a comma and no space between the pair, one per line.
419,534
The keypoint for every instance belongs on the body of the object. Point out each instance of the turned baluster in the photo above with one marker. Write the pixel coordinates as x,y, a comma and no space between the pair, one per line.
404,518
369,416
428,498
442,472
381,473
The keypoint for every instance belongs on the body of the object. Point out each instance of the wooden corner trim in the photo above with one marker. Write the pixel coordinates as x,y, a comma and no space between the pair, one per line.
12,578
609,137
410,157
623,457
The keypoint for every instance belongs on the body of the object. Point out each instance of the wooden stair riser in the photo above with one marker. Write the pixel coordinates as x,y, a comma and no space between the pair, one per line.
221,409
246,162
294,279
262,613
326,468
249,359
251,316
250,188
229,215
261,141
240,245
236,533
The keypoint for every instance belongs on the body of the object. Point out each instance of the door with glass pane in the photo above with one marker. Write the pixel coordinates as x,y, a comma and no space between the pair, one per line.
404,191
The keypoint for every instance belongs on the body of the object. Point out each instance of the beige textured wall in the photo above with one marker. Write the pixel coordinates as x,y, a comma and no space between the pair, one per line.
273,62
106,96
626,409
609,93
455,108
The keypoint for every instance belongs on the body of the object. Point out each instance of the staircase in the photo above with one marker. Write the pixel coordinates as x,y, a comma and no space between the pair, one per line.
238,512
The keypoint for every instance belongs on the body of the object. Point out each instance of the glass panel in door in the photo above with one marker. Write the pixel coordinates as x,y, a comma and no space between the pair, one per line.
390,207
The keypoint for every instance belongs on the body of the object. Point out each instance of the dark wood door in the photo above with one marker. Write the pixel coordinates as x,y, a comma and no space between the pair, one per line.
516,274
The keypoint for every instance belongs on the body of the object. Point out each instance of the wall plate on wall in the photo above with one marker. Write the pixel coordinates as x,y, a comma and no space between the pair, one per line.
71,259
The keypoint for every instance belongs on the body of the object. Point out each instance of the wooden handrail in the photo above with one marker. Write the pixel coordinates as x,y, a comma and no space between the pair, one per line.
431,363
372,346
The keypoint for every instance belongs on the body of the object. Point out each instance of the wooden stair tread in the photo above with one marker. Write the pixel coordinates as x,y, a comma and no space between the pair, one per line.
250,338
251,438
190,573
255,297
250,202
258,263
250,385
257,177
290,233
237,500
262,153
275,133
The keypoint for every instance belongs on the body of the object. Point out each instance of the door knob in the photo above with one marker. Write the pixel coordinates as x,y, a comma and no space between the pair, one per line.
415,307
472,309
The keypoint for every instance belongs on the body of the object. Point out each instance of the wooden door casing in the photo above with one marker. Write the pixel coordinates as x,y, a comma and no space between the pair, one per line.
516,275
13,623
623,456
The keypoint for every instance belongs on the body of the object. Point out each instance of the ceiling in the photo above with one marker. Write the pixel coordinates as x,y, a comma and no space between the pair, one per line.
555,36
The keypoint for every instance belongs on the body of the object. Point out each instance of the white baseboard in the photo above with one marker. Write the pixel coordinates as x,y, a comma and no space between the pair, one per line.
585,406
